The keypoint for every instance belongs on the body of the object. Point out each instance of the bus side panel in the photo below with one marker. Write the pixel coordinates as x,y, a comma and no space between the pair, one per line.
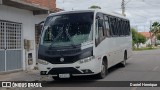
114,49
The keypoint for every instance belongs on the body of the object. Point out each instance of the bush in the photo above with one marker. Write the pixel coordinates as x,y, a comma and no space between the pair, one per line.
149,46
158,37
137,38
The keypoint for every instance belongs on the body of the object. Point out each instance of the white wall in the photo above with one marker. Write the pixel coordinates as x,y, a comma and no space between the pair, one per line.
148,42
28,21
145,44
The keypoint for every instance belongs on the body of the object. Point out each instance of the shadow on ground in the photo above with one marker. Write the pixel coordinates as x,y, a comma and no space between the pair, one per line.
91,77
84,81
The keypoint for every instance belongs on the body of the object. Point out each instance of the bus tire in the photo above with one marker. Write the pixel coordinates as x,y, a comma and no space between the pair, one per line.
103,72
123,63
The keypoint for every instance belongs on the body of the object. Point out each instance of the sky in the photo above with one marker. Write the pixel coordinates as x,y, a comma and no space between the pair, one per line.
140,12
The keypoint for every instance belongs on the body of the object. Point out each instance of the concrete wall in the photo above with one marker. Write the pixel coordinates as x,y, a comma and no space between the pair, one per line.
28,21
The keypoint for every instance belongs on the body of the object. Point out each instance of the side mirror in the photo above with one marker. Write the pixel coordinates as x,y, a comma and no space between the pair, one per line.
41,23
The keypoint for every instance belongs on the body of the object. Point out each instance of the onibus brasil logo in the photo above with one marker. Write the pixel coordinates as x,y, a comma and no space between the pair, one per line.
21,84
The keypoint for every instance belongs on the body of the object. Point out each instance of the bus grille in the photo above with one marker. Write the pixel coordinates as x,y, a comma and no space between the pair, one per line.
70,70
67,59
68,52
69,56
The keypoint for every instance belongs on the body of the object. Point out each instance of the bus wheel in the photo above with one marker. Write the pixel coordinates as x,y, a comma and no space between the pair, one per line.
123,63
103,72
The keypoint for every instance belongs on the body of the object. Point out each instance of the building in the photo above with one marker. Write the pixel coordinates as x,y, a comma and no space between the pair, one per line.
19,31
150,39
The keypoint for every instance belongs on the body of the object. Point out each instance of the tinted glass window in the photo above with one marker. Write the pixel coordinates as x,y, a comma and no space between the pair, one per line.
68,29
100,28
115,26
107,29
111,27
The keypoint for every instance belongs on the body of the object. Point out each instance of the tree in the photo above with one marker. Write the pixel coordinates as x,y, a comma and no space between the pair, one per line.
155,29
134,36
137,38
95,7
158,37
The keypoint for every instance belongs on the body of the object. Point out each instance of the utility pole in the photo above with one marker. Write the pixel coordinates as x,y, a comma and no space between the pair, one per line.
49,7
123,8
151,32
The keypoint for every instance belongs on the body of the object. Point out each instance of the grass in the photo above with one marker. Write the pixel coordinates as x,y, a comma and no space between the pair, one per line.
141,49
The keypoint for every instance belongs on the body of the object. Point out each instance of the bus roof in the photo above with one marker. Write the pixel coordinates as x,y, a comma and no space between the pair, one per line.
89,10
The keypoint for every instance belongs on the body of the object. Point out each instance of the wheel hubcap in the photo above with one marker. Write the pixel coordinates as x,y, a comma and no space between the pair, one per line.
103,71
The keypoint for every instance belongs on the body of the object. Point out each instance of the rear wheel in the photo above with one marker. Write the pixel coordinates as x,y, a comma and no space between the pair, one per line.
123,63
103,72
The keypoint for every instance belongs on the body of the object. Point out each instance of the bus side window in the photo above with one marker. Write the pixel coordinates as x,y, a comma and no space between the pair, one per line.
100,35
48,35
129,31
122,26
126,28
107,29
100,29
119,27
115,26
110,26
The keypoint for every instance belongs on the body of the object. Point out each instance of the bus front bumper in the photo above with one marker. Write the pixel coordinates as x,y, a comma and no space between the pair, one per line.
75,69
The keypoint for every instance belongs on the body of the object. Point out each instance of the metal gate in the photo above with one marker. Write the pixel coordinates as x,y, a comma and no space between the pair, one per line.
10,46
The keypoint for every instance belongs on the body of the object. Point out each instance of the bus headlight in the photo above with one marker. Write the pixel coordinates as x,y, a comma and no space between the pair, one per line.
43,62
85,60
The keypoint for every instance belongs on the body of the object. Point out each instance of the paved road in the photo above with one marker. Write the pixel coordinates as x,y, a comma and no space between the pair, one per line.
142,66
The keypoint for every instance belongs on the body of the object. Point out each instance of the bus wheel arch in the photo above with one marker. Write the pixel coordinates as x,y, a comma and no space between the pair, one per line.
106,61
104,68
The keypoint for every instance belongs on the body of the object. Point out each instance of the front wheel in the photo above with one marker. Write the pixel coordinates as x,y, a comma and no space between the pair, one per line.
103,72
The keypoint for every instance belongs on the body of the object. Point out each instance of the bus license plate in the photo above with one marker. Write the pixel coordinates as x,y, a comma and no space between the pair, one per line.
64,75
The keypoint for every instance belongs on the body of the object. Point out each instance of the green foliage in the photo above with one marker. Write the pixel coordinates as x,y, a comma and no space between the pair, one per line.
134,36
95,7
155,29
137,38
158,37
149,45
141,38
141,49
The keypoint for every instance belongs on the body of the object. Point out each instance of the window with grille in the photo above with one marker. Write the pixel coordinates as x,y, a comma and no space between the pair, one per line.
2,31
10,35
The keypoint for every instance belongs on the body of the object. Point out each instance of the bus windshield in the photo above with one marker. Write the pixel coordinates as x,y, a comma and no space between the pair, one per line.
68,29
